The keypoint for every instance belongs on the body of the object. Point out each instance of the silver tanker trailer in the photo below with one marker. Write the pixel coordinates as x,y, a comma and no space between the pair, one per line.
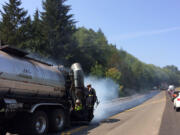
36,97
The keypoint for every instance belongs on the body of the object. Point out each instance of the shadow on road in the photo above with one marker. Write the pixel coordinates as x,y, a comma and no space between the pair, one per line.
110,121
95,125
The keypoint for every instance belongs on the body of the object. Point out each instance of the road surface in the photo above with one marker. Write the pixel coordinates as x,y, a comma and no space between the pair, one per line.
144,119
171,120
154,117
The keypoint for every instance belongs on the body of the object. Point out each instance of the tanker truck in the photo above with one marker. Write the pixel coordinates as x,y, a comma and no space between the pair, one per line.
36,97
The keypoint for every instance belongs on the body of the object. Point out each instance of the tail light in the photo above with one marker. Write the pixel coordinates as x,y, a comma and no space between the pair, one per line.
174,95
178,99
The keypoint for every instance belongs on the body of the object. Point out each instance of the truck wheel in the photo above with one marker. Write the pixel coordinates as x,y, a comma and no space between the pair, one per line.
38,123
2,132
57,120
177,109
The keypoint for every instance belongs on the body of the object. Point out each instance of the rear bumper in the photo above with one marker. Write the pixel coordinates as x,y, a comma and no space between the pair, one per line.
177,104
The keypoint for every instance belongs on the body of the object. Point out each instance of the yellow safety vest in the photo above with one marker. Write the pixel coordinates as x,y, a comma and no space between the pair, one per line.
78,107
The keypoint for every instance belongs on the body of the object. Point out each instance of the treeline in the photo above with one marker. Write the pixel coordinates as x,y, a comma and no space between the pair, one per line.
53,34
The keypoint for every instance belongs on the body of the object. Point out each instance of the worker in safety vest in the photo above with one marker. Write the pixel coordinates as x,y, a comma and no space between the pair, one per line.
91,98
78,105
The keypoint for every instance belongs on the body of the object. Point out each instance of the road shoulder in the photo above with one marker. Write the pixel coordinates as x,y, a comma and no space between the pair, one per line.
144,119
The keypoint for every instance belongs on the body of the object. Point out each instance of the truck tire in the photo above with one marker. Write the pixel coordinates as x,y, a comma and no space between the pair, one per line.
57,120
2,131
38,123
177,109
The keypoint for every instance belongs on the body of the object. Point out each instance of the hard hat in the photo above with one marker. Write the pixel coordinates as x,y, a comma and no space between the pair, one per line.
89,85
78,101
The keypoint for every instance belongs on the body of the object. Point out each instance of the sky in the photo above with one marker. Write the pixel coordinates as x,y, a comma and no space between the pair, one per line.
147,29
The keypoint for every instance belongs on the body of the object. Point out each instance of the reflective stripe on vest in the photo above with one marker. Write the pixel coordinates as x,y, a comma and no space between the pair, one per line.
78,107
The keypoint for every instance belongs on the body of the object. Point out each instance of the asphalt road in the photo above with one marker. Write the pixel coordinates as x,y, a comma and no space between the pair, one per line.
154,117
107,109
144,119
171,120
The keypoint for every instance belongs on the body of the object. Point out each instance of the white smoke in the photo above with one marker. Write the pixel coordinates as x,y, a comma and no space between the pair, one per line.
106,89
107,92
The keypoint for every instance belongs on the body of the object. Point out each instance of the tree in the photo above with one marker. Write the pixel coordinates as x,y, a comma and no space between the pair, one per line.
97,70
26,34
35,42
0,33
58,28
171,68
13,21
92,48
114,74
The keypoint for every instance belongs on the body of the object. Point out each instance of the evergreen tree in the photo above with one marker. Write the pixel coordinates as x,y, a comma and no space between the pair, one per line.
38,44
35,42
0,33
26,34
13,19
58,28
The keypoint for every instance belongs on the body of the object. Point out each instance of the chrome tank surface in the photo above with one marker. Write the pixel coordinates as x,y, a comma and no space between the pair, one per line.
78,75
22,69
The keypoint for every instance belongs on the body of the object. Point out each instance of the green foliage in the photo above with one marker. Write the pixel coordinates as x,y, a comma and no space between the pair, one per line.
58,28
97,70
0,33
13,24
114,74
92,48
52,33
35,43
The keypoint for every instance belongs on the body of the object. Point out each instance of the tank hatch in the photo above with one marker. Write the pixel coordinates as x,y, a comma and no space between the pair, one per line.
14,51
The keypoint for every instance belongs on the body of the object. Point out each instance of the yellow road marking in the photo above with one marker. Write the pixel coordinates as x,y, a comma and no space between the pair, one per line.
78,129
66,133
74,130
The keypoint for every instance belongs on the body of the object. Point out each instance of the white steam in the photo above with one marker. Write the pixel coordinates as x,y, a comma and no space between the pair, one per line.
106,89
107,92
